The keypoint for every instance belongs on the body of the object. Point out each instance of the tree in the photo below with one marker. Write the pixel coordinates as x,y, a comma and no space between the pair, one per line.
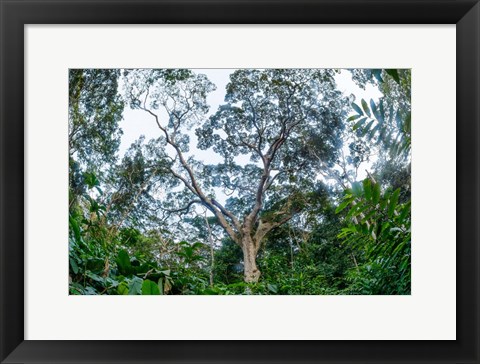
94,110
380,221
132,184
260,133
388,122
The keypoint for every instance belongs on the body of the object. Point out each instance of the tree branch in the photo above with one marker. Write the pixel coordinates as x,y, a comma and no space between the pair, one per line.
228,214
193,186
185,209
265,227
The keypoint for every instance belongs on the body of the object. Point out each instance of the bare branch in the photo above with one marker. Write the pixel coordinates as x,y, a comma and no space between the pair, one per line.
194,187
226,226
228,214
265,227
184,210
284,215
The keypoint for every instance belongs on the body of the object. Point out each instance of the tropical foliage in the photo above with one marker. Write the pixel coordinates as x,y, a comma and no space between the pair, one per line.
278,207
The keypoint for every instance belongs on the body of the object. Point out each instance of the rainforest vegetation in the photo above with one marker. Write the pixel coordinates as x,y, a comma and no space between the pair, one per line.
306,190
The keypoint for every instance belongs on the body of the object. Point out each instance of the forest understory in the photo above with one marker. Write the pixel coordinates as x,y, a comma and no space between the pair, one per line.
288,187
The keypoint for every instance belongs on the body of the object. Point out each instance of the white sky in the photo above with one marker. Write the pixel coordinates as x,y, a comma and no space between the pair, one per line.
137,122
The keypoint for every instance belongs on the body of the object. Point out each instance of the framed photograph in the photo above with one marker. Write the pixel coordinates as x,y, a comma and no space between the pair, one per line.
285,181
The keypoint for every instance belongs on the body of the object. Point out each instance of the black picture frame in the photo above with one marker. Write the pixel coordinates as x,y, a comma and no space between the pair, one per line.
17,13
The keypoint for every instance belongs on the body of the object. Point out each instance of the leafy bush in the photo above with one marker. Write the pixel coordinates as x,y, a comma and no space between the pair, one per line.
379,228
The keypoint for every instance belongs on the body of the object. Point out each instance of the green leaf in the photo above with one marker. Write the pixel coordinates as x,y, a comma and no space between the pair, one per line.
405,212
367,187
111,282
370,214
376,111
95,277
357,108
381,113
383,203
272,288
347,231
373,131
367,128
122,288
353,117
385,226
135,286
150,288
365,108
74,266
123,262
359,123
198,245
362,209
91,180
393,202
357,189
354,210
342,206
76,229
376,193
394,74
373,107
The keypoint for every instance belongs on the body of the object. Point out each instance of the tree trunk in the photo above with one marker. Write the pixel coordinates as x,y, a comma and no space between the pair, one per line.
212,249
251,272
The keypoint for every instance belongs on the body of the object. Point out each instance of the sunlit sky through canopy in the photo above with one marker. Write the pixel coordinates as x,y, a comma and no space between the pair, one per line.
136,122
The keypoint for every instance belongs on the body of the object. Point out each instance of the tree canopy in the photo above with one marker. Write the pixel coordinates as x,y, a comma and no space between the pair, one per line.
277,207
